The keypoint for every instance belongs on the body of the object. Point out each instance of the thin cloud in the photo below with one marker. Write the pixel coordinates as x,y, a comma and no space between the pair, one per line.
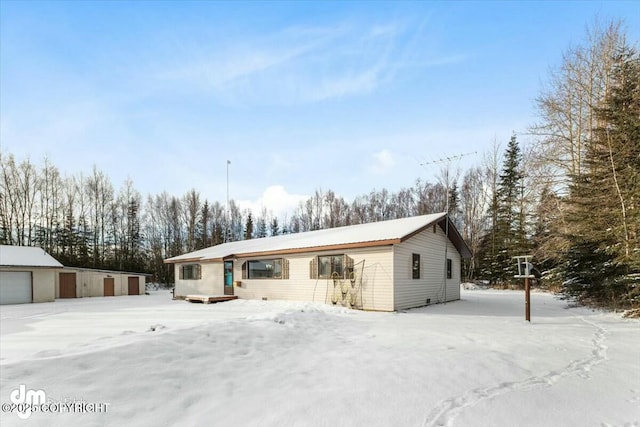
301,65
382,162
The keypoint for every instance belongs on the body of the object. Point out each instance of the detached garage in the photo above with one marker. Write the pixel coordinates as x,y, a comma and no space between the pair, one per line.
27,274
77,282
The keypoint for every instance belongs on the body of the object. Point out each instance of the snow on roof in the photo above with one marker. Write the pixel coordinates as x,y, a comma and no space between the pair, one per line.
391,231
26,256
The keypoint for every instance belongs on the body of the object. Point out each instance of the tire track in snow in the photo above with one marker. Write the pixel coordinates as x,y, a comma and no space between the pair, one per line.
445,413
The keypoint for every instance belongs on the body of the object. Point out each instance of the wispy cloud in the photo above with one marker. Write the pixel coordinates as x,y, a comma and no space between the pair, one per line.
299,65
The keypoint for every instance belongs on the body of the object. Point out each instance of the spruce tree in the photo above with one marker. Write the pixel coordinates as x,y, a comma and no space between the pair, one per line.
506,239
248,228
274,226
603,260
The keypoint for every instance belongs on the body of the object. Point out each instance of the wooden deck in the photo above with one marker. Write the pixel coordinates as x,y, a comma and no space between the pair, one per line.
210,299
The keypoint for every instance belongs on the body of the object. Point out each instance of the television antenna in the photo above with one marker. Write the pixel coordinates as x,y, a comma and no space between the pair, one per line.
447,161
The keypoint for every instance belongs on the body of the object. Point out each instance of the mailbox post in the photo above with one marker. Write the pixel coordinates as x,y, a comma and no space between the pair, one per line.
524,272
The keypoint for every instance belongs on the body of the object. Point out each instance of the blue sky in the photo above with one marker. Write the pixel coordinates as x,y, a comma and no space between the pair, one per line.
347,96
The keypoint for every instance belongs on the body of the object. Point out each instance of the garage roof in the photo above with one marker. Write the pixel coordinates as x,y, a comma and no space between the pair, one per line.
361,235
26,256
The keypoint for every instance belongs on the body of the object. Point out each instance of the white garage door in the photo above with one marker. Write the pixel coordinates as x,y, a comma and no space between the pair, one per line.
15,287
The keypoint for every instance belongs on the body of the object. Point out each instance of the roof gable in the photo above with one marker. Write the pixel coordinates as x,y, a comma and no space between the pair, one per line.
361,235
26,256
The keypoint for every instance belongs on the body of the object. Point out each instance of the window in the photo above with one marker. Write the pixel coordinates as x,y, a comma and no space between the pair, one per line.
449,268
277,268
328,265
190,272
265,269
331,267
415,266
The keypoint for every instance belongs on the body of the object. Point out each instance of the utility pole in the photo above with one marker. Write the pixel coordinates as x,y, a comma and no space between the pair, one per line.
447,161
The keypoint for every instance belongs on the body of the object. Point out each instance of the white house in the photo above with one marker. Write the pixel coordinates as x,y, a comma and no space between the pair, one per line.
385,266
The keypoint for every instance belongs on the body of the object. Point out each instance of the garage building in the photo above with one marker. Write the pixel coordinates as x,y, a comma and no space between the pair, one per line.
75,282
27,274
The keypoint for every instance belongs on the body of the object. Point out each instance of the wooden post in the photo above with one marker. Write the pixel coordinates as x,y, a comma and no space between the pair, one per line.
524,272
527,299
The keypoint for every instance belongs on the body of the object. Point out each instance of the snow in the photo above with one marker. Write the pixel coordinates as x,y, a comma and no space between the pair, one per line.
26,256
395,229
474,362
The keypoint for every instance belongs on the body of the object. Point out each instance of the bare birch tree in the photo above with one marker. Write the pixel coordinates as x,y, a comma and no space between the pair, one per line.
566,105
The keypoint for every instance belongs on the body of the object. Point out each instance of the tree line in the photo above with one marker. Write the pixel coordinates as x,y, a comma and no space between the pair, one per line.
570,198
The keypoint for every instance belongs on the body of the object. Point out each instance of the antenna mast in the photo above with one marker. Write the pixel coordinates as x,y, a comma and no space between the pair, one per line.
441,161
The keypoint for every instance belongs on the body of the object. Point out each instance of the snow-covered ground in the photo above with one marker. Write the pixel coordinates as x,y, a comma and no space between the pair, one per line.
474,362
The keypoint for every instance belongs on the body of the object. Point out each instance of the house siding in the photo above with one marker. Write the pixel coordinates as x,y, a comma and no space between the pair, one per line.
211,280
409,292
90,283
376,285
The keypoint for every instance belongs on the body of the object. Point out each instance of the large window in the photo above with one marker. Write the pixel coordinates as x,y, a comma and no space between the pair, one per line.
449,268
190,272
415,266
265,269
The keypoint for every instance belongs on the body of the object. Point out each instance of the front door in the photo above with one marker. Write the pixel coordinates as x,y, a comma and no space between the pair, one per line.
228,277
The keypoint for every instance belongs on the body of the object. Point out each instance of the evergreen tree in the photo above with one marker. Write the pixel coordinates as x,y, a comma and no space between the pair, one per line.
248,228
203,239
603,260
83,239
454,205
506,238
262,228
548,242
274,226
67,240
134,254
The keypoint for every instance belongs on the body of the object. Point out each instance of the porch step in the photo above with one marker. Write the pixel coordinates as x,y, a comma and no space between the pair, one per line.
209,299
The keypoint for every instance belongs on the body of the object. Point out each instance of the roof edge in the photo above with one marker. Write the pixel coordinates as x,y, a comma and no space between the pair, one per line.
369,244
43,267
424,227
454,235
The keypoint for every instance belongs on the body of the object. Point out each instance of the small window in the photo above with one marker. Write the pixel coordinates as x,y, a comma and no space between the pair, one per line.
415,266
449,268
277,268
190,272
